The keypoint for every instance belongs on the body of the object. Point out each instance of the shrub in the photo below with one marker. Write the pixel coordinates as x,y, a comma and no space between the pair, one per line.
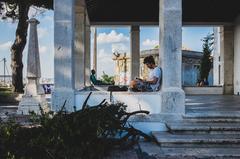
85,134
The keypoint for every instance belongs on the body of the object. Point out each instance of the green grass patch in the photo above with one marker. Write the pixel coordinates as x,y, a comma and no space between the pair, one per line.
4,91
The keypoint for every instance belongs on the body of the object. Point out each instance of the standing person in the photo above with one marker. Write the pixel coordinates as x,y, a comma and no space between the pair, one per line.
152,83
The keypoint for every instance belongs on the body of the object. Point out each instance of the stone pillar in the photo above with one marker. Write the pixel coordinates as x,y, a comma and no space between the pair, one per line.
87,55
170,19
228,59
237,57
95,50
135,51
79,48
64,78
221,37
34,94
216,57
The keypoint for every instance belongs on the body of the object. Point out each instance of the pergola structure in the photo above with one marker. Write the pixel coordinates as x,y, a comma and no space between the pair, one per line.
73,19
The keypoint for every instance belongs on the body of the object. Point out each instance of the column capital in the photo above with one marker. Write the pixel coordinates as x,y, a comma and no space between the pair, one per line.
135,28
33,21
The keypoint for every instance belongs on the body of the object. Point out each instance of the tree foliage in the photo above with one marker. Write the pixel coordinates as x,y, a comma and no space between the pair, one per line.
17,10
206,61
88,133
106,79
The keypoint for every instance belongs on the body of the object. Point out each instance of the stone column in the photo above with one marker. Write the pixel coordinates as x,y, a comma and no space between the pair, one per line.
87,55
170,19
64,78
228,59
135,51
79,48
95,50
34,94
216,57
237,57
221,37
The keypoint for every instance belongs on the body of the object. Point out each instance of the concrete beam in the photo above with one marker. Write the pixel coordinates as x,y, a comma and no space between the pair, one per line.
204,24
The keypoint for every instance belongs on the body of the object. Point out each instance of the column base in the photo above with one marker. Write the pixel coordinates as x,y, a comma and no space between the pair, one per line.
60,95
33,103
173,101
228,89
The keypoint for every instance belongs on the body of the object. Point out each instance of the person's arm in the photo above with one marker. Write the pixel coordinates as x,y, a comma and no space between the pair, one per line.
153,81
156,76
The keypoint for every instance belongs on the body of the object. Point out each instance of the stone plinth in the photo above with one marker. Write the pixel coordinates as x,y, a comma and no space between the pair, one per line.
34,96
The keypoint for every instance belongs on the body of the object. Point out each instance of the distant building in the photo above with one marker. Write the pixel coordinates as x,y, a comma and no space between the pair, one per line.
190,67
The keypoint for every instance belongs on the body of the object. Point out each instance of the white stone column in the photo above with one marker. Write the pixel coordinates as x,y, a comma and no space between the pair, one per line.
79,48
216,57
221,55
87,54
237,57
135,51
170,19
228,58
64,78
95,50
34,94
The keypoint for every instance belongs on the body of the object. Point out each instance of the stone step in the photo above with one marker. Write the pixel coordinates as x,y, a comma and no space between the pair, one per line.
204,127
212,115
166,139
151,150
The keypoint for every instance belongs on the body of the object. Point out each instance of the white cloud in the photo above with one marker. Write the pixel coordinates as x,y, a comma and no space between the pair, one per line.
6,45
35,11
32,12
119,47
103,54
42,49
42,32
105,63
150,43
112,37
47,18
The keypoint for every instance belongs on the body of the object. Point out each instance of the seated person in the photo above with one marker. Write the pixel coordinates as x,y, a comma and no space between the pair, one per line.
152,84
93,78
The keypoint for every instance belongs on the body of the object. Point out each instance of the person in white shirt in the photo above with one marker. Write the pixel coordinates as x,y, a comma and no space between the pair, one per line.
152,83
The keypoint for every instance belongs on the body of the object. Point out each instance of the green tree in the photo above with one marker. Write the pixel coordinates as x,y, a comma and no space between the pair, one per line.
107,79
206,62
17,10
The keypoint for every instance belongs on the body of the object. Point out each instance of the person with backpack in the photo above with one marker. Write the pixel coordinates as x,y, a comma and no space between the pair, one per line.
153,82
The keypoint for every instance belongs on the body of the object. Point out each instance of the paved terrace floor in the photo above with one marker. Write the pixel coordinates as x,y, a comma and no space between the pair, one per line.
213,105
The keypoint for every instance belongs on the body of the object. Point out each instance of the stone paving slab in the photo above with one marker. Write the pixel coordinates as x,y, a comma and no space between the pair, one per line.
166,137
123,154
155,152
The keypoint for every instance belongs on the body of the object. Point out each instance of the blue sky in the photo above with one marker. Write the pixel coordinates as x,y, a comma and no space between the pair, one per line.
109,39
